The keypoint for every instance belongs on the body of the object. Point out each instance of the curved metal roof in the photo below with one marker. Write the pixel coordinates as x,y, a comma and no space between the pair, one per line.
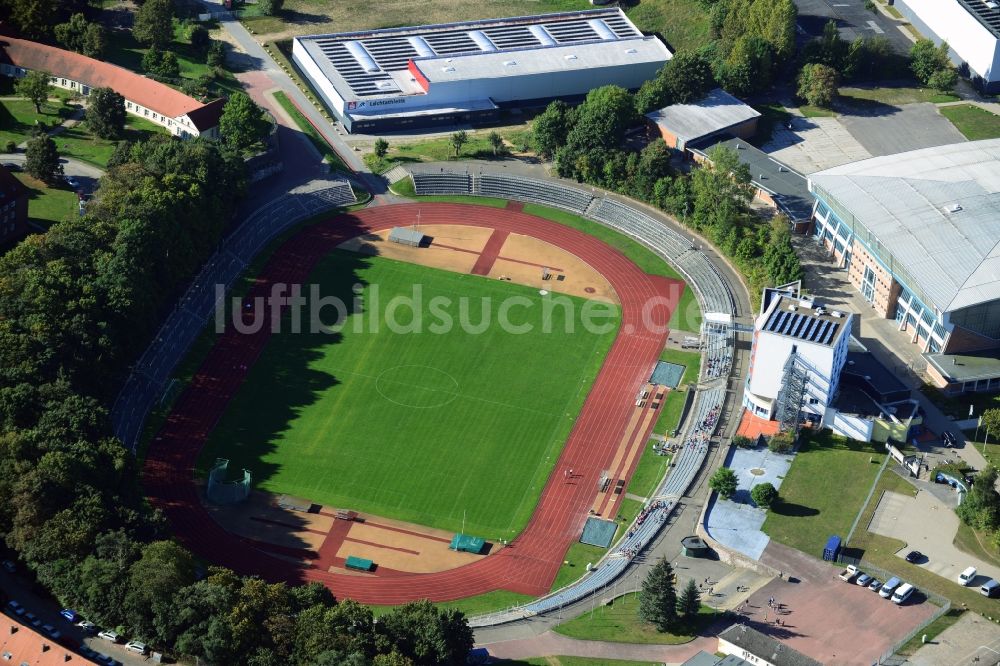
937,210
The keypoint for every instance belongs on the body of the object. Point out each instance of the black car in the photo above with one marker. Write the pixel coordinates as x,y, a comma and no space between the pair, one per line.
914,556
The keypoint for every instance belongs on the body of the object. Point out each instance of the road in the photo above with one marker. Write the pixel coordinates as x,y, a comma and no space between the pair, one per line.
852,19
87,174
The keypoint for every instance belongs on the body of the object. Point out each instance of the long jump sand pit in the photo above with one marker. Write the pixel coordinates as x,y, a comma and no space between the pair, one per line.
519,258
317,537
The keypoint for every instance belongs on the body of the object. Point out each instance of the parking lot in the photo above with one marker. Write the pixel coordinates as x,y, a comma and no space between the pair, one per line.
822,616
907,519
16,587
885,130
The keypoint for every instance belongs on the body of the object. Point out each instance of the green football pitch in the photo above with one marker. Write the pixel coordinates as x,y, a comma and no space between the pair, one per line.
434,427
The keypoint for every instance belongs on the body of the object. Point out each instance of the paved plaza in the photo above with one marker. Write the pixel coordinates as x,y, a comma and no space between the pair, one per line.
814,144
885,130
971,640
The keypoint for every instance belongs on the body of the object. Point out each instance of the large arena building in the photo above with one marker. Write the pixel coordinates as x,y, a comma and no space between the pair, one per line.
406,78
919,234
971,28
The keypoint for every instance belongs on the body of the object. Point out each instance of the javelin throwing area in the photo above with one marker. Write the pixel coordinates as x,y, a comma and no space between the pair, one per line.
431,424
530,562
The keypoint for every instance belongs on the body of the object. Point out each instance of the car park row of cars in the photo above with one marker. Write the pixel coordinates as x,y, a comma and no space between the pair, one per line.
893,589
15,609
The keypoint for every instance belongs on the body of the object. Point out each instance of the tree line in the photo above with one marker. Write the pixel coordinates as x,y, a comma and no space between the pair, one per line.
713,199
77,306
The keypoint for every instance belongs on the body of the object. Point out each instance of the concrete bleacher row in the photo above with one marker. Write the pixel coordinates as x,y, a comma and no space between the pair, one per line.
151,373
687,463
531,189
718,353
503,186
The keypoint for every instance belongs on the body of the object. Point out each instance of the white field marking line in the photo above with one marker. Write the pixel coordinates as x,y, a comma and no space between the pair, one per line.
874,26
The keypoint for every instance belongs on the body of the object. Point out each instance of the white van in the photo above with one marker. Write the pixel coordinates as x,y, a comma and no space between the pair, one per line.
967,576
890,586
902,593
990,588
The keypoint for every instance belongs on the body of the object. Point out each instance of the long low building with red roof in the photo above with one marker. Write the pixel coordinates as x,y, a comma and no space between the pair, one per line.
157,102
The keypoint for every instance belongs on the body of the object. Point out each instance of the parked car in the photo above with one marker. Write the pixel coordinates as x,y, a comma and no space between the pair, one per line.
889,587
9,566
15,608
72,182
914,556
848,574
990,588
109,635
875,585
863,580
136,646
87,626
86,651
31,619
69,614
904,592
52,632
967,576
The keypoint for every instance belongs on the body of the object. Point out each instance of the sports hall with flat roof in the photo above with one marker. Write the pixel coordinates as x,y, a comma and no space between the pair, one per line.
405,78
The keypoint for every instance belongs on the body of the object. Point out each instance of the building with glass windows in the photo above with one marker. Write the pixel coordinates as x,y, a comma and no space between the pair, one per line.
919,234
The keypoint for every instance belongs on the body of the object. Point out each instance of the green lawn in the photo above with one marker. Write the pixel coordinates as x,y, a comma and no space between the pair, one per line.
575,563
974,123
931,631
48,205
892,95
437,428
471,606
649,472
80,144
321,144
439,148
977,544
18,118
628,509
810,111
619,622
823,491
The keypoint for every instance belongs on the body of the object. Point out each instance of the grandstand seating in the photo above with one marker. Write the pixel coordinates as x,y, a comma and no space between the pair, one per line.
152,371
532,189
718,351
445,182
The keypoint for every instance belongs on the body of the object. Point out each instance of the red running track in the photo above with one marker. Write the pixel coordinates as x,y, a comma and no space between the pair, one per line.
530,562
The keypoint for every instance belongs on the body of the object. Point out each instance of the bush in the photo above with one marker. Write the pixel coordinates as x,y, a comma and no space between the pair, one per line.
723,482
11,147
783,442
764,495
742,442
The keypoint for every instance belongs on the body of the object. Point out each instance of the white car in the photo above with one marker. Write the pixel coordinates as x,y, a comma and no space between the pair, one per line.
967,576
136,646
109,635
87,626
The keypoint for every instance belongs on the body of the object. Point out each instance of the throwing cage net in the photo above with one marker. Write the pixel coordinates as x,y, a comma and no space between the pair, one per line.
219,491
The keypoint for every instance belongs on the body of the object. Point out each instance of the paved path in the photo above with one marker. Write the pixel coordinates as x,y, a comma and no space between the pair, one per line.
71,167
551,643
971,640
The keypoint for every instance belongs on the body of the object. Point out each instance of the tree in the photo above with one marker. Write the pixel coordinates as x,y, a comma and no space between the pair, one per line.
163,568
427,634
199,38
944,80
724,482
71,33
33,18
686,77
242,124
742,442
161,64
689,603
106,113
154,23
658,598
216,55
95,41
991,422
764,495
496,142
748,68
818,84
41,159
549,129
925,59
34,86
981,506
381,148
457,140
270,7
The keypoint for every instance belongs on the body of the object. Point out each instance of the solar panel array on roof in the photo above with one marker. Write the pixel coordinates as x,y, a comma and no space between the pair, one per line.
801,326
366,61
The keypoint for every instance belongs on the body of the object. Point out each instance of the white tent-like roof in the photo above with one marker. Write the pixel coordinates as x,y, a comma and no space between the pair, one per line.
936,210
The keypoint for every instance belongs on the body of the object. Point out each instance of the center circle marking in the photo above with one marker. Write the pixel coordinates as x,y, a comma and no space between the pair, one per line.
417,386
